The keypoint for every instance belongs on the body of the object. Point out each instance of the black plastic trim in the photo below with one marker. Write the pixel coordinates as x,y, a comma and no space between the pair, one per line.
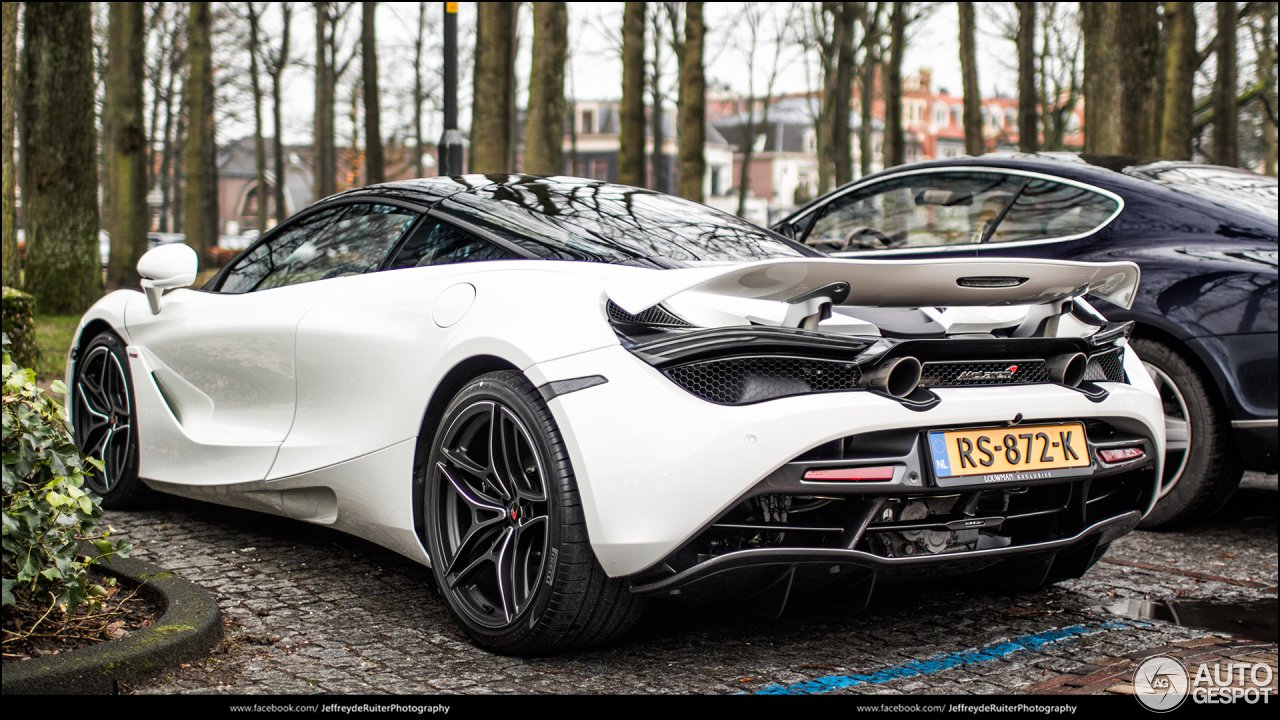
556,388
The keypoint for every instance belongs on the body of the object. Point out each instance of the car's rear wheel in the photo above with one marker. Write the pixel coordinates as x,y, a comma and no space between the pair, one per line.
106,420
505,528
1202,467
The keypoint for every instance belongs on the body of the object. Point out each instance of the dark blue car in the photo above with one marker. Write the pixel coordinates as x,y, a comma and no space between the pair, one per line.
1204,237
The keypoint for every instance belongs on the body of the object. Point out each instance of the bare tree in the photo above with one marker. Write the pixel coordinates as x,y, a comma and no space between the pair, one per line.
373,164
753,17
544,126
275,61
201,155
631,141
59,149
657,160
692,110
1181,61
1225,122
895,149
1101,88
1028,123
1059,71
873,35
974,143
419,89
9,226
492,100
1265,51
259,143
127,217
329,69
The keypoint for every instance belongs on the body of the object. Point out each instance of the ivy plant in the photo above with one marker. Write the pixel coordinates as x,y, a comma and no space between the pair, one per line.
49,519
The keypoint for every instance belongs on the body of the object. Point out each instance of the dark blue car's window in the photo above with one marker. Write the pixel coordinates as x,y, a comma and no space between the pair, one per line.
1046,209
917,210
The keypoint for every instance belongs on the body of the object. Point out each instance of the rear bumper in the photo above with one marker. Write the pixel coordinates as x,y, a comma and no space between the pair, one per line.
1256,440
768,575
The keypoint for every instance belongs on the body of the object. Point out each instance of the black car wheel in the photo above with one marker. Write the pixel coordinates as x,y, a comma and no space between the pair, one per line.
505,529
105,421
1202,466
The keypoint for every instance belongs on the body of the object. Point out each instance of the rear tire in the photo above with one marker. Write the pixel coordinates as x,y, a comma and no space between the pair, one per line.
105,418
1202,464
505,528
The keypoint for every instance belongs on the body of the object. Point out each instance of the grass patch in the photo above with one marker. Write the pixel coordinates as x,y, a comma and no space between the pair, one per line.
53,337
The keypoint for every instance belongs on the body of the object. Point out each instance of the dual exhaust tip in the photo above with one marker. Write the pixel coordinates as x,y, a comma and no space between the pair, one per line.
900,377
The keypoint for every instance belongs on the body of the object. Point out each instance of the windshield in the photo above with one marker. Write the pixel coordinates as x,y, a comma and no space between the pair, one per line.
570,219
1227,187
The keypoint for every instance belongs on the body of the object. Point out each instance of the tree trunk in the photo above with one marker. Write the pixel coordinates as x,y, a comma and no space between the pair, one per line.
1180,63
1101,82
1137,53
127,216
166,157
631,141
9,224
1028,122
842,101
419,42
866,103
693,106
658,181
373,163
490,107
1267,79
326,159
974,143
895,151
259,143
201,155
544,125
60,140
281,61
1224,88
179,165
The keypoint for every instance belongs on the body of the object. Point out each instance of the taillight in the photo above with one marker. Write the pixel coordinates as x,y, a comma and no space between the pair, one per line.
851,474
1121,454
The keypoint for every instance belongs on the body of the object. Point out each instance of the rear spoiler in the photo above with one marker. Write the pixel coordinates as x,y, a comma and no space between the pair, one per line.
889,283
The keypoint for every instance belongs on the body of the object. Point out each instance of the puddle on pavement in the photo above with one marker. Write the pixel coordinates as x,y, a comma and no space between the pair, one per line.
1255,620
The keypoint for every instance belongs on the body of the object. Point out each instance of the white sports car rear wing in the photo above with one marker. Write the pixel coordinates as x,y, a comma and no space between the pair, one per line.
890,283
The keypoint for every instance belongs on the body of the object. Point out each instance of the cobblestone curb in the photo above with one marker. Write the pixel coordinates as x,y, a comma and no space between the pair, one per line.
1114,675
190,626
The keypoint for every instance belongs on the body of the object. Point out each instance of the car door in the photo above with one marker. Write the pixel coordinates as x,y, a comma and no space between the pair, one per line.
223,362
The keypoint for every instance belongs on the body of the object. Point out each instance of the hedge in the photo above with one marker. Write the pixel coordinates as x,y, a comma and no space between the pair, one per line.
17,314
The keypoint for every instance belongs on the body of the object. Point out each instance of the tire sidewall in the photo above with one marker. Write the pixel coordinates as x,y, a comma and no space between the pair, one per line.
125,490
504,388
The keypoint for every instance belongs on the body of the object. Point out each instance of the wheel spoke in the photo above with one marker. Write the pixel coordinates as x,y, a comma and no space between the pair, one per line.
505,564
466,493
102,409
497,453
527,560
1177,434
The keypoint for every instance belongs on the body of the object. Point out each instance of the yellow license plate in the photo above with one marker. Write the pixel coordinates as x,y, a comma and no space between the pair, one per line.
959,453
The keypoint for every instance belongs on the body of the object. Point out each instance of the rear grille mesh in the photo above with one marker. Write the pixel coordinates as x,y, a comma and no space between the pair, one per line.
1106,366
738,381
656,315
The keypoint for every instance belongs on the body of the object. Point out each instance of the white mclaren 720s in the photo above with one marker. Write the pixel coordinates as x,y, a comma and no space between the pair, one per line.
568,396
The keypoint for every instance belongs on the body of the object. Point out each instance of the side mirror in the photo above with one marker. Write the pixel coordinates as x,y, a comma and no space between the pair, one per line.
167,267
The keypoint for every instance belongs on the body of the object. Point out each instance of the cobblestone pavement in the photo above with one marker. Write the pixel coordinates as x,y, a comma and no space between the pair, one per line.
310,610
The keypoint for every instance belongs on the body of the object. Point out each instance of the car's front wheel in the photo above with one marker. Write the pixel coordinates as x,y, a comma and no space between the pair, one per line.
106,421
505,528
1202,466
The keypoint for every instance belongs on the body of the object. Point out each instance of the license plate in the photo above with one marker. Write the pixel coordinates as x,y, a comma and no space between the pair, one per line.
960,453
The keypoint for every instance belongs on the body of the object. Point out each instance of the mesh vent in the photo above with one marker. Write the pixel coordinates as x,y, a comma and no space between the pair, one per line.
656,315
737,381
999,372
1106,366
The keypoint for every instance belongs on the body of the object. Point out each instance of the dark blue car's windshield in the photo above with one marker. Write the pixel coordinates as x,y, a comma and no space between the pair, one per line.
581,220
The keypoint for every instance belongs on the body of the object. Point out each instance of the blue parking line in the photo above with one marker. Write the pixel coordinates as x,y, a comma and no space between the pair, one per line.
1026,643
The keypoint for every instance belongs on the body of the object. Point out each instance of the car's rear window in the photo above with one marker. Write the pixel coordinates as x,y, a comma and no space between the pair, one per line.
613,223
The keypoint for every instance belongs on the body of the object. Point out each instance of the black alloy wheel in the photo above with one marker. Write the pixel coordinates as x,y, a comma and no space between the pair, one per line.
105,421
1202,465
505,529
